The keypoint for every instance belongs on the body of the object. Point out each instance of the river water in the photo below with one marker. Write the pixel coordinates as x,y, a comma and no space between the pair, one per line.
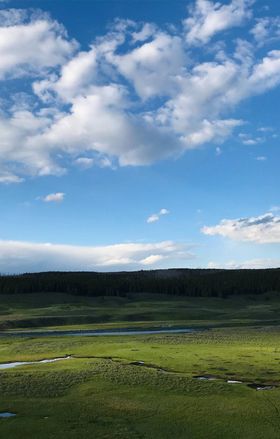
98,332
24,363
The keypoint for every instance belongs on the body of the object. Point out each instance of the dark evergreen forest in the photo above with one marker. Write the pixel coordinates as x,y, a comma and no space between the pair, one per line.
184,282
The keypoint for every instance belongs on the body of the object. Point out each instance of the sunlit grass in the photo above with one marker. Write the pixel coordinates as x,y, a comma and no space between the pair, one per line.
100,394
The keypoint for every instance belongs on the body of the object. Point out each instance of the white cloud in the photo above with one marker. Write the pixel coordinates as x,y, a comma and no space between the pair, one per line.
85,162
263,229
74,78
156,216
215,131
250,264
261,158
99,122
267,70
12,17
7,178
251,141
57,197
136,96
28,257
147,31
88,162
266,30
208,18
164,212
153,218
153,67
31,46
18,145
152,259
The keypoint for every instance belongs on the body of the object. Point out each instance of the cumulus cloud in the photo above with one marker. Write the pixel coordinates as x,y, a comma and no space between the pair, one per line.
57,197
156,216
74,77
207,18
20,256
99,121
30,45
153,67
137,95
263,229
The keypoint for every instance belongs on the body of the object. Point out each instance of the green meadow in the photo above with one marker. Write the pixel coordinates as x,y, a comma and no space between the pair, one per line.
44,310
142,386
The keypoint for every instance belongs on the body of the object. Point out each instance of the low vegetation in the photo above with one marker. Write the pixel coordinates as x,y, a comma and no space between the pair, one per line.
144,386
65,311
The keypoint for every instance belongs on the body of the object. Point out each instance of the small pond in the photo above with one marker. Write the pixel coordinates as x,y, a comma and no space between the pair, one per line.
7,415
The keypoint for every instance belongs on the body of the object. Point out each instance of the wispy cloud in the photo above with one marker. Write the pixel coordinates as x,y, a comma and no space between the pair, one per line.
208,18
266,29
84,162
18,256
156,216
250,264
57,197
88,162
275,209
252,141
248,139
218,150
265,129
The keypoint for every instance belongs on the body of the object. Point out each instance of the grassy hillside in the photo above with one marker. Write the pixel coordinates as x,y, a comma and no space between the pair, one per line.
64,310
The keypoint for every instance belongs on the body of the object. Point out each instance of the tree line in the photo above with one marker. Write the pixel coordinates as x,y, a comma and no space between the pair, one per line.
183,282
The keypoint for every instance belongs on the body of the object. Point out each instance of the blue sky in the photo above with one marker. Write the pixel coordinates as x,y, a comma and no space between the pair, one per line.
139,135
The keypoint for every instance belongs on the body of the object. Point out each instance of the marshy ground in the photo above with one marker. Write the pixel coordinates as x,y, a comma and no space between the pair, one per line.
143,386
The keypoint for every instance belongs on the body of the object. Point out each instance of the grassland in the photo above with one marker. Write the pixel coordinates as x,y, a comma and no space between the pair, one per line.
100,394
66,311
